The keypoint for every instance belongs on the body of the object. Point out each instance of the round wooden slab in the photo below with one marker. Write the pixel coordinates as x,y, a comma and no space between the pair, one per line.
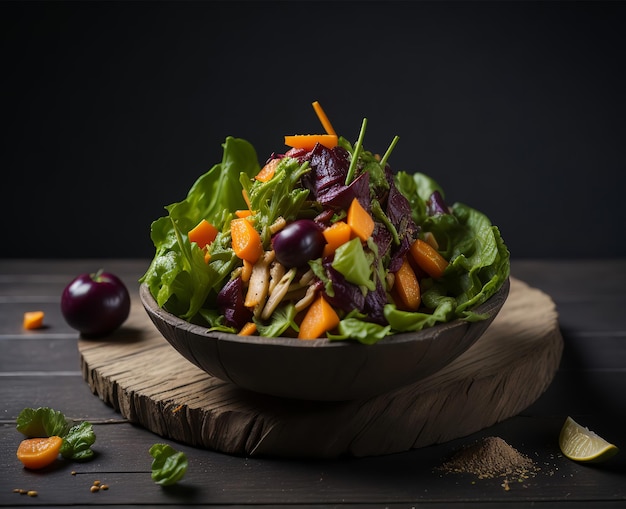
136,371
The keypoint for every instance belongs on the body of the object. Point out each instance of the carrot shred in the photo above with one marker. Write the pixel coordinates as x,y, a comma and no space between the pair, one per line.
323,118
319,318
243,213
248,329
308,141
428,259
33,320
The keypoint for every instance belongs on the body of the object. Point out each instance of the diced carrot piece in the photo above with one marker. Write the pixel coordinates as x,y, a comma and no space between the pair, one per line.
246,241
407,288
243,213
248,329
308,141
203,233
336,235
428,259
33,320
267,172
35,453
319,318
360,220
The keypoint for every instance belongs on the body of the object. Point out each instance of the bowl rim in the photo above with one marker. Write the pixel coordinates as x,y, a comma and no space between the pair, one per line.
493,304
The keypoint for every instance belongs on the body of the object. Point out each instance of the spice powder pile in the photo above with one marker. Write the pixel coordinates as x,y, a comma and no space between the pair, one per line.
488,458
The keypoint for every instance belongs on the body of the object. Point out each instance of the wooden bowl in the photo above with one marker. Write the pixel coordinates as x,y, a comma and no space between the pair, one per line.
320,369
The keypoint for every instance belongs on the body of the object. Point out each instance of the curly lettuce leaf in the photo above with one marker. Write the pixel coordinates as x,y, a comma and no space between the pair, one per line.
42,422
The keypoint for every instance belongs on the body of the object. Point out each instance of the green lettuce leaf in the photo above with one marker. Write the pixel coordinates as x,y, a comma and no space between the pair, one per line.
42,422
178,277
168,465
78,441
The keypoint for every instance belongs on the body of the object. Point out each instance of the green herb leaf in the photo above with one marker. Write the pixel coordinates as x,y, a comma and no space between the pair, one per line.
42,422
168,466
78,441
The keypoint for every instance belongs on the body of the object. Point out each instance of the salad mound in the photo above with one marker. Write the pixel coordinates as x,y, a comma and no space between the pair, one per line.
323,240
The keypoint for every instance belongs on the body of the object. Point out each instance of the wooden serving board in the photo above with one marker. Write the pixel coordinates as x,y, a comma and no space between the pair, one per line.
136,371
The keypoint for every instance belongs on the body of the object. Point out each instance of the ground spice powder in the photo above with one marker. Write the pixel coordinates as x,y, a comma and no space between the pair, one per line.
490,457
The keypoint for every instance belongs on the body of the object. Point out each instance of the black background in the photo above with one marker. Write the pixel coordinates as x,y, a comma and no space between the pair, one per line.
111,110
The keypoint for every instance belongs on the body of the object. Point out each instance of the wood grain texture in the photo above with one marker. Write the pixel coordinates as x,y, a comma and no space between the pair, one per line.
140,375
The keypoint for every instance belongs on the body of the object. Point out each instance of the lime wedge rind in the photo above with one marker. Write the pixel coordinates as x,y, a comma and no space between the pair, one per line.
579,443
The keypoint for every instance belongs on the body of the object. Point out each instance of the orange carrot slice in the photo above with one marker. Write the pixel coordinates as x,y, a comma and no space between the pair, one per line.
35,453
428,259
203,233
407,288
268,171
360,220
336,235
320,318
246,240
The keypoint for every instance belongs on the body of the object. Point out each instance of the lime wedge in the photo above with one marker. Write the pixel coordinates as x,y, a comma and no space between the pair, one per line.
580,444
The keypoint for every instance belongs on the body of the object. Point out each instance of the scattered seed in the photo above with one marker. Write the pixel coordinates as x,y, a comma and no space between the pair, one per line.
32,493
94,489
73,472
104,487
96,483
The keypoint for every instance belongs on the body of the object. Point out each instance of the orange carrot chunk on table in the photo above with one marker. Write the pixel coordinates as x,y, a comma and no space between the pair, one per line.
428,259
407,287
360,220
35,453
33,320
246,240
319,318
203,233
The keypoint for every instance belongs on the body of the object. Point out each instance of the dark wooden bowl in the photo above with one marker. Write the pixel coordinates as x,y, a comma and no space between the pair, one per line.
320,369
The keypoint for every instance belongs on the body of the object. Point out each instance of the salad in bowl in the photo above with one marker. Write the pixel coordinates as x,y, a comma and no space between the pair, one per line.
323,240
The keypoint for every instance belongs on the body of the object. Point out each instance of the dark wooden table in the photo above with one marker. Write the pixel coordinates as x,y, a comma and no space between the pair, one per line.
42,368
